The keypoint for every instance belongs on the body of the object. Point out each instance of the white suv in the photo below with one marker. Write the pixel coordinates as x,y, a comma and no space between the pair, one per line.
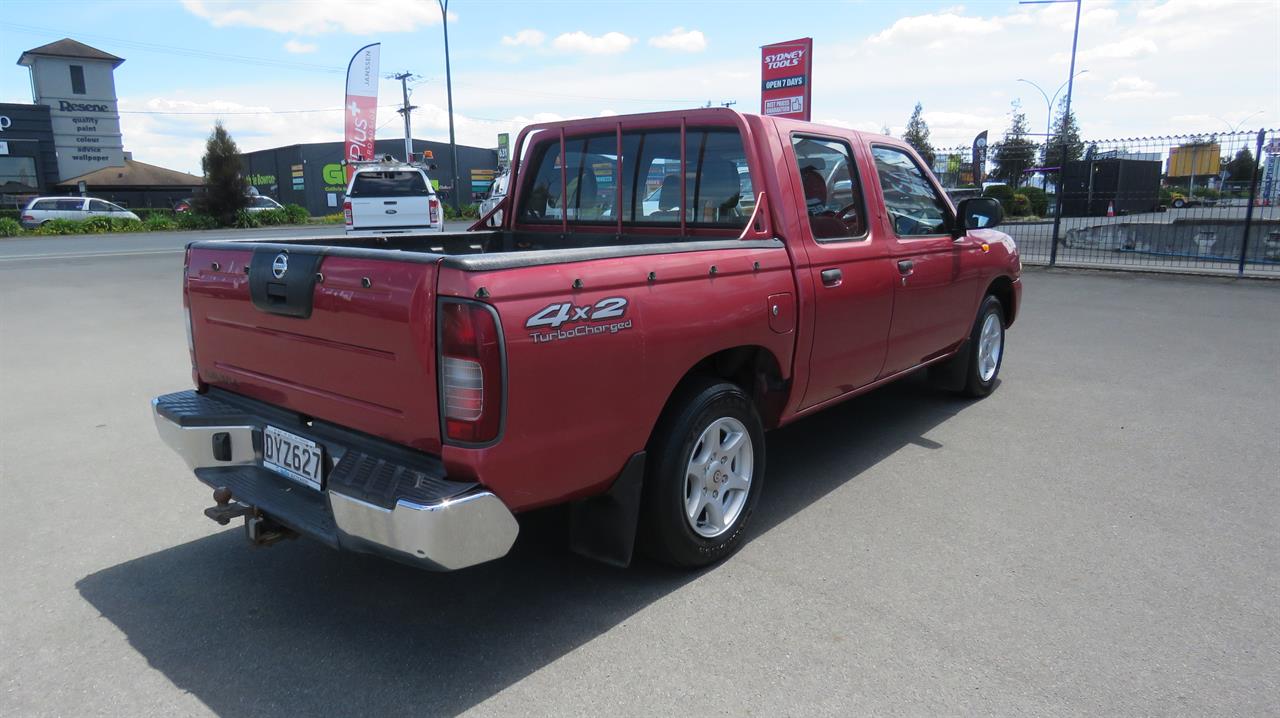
391,198
43,209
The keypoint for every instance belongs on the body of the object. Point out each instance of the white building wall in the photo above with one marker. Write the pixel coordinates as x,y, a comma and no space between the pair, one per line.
86,127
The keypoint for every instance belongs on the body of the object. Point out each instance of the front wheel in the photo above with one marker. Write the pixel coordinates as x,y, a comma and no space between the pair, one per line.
705,475
986,348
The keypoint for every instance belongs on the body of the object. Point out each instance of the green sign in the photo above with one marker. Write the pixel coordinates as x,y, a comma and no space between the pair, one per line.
504,150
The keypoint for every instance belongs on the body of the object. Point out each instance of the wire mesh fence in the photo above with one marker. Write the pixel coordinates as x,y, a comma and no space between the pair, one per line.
1202,203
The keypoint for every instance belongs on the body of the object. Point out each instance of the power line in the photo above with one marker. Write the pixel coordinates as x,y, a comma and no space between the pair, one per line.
238,112
182,51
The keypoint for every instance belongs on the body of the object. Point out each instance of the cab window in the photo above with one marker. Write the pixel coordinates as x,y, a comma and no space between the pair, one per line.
915,208
832,193
716,186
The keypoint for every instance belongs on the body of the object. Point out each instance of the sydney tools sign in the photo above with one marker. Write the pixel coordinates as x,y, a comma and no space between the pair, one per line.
785,72
362,104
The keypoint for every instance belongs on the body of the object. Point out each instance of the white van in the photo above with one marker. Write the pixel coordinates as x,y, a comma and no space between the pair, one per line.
45,209
391,198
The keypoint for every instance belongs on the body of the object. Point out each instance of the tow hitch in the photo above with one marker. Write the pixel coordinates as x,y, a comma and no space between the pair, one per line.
258,528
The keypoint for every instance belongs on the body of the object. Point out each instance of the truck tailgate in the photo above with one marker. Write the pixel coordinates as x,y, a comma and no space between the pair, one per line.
348,340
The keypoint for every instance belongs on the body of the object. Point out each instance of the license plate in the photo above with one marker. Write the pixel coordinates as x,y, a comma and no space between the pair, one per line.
292,456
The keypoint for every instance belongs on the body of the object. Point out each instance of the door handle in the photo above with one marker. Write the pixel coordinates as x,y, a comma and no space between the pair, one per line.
906,266
832,277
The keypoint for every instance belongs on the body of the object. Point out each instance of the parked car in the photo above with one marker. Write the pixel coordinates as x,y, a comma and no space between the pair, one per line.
410,396
262,203
497,192
388,197
45,209
256,203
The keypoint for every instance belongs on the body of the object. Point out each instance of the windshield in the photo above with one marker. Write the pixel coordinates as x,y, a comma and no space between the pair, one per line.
391,183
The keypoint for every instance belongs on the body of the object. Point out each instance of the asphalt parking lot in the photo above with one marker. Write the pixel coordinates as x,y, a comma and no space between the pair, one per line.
1100,536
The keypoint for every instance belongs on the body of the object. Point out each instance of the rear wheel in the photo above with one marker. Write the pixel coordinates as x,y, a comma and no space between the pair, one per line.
705,475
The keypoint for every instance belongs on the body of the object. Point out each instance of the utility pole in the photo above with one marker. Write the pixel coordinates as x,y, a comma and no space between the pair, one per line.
1066,113
448,83
404,78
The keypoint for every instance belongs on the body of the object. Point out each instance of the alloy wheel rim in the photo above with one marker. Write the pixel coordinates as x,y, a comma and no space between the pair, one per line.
718,477
990,346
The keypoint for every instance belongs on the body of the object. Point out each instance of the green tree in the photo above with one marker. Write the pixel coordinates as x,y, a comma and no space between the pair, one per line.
917,135
225,189
1065,127
1015,152
1241,167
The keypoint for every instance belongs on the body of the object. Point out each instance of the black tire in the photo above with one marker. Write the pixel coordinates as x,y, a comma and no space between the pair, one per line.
1179,203
975,385
666,533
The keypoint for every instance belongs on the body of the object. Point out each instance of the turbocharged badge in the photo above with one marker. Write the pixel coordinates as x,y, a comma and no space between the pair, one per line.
565,320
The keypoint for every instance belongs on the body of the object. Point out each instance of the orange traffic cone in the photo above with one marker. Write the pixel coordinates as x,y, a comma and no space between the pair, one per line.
1111,209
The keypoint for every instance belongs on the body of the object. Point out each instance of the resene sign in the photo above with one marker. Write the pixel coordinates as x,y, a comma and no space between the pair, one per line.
785,74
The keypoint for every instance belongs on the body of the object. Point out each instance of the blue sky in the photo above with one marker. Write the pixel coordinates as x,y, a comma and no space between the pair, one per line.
1159,67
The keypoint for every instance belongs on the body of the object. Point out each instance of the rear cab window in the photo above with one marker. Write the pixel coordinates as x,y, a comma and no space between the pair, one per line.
832,189
637,182
389,183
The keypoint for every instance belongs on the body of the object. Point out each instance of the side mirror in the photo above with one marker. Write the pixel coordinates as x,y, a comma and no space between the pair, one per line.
979,213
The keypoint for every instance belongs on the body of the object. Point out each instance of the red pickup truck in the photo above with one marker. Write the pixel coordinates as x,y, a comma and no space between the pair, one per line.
660,291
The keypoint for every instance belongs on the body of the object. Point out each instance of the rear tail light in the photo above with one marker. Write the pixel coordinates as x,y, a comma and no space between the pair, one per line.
471,371
346,213
28,218
186,311
434,205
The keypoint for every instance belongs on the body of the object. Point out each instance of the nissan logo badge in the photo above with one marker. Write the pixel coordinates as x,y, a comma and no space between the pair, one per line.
280,265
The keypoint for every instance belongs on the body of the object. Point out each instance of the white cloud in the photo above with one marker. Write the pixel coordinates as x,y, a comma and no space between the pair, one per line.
1128,48
530,38
1135,88
298,47
610,43
314,17
947,25
681,40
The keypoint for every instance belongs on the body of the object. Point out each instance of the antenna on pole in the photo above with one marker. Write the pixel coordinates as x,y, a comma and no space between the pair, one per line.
404,78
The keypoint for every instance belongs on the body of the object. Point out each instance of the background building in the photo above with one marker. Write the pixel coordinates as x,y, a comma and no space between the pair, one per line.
312,175
69,140
28,161
77,83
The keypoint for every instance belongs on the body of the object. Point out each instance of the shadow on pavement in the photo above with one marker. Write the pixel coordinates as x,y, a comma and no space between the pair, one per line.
302,630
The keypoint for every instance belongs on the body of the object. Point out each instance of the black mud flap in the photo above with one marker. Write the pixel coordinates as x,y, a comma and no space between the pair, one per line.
283,281
951,375
604,527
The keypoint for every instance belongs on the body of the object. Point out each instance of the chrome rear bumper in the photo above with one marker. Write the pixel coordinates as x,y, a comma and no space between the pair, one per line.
439,524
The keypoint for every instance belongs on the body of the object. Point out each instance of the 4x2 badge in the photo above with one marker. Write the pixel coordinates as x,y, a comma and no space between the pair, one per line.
557,314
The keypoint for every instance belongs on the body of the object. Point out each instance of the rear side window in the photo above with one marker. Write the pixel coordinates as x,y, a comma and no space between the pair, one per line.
832,193
914,207
45,204
392,183
263,202
716,189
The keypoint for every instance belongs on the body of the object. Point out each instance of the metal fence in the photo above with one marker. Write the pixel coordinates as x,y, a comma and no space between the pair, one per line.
1200,203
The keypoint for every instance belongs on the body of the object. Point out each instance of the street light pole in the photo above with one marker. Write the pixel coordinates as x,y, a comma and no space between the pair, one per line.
1048,117
1236,127
1066,112
448,83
